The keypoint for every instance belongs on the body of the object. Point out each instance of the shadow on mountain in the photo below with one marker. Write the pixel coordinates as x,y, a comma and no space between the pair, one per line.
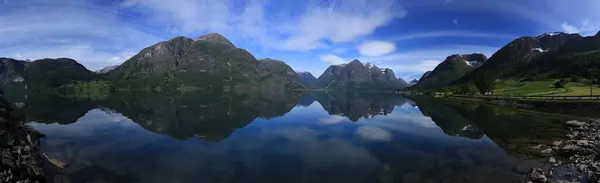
448,119
355,106
514,131
211,116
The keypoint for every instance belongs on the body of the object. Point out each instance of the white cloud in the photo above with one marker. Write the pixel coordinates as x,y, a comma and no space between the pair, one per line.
376,48
568,28
587,28
89,34
333,119
313,26
373,133
332,59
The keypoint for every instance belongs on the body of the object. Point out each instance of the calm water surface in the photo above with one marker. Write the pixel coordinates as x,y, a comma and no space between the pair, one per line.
316,137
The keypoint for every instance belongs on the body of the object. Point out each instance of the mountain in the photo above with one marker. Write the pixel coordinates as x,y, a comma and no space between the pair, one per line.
308,79
106,69
425,75
327,78
43,73
11,70
281,73
451,69
209,61
358,76
573,59
402,82
519,53
413,82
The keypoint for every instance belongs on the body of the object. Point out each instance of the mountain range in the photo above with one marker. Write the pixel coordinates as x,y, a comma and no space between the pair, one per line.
209,62
356,76
548,56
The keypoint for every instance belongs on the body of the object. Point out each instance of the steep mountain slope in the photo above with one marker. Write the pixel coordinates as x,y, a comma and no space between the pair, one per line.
210,61
308,79
279,70
451,69
327,78
425,75
519,53
356,76
573,59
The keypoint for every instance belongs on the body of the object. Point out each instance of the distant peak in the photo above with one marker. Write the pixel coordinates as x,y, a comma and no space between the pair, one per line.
214,37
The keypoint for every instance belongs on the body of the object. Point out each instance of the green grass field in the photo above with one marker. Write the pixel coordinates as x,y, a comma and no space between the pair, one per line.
545,87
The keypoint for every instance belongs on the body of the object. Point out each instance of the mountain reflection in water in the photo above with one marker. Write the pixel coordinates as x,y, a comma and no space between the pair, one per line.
302,137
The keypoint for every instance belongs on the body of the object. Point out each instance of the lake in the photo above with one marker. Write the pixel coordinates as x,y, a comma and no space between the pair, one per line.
308,137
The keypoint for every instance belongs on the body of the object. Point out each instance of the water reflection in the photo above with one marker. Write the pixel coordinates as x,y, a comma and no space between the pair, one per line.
305,137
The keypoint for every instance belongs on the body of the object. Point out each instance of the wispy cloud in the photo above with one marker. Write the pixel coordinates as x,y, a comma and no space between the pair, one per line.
438,34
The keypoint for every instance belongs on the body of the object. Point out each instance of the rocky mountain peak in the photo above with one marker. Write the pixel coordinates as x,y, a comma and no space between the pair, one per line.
553,41
355,62
215,37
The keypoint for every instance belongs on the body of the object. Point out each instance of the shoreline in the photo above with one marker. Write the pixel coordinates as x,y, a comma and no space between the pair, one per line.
572,108
576,158
22,161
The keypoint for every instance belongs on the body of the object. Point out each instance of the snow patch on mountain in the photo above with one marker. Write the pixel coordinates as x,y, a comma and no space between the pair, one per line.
473,63
539,49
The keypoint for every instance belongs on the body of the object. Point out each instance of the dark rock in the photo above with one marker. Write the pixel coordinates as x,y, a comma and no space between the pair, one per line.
537,175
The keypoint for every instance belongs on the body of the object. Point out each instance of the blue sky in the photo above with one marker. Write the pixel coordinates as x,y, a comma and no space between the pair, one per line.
408,36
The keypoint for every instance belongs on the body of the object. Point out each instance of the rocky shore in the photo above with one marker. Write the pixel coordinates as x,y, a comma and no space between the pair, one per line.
574,159
22,160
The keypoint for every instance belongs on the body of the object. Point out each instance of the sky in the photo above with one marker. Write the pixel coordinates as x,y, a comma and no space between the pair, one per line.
408,36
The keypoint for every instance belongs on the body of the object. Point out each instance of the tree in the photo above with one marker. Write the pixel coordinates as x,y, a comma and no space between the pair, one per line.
467,89
562,83
485,83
